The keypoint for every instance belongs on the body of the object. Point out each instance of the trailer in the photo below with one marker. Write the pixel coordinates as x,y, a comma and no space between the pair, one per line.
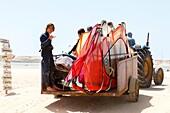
106,65
127,83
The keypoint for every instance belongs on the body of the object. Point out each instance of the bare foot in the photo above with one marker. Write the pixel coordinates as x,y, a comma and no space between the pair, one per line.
55,87
50,89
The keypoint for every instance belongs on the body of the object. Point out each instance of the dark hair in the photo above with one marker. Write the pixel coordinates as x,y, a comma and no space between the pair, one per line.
80,31
130,35
89,28
50,24
103,22
109,23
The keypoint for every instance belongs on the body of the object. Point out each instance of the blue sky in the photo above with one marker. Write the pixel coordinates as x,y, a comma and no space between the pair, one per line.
24,21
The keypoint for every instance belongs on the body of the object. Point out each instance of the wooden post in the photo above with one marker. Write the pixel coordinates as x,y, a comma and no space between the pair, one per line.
6,91
7,78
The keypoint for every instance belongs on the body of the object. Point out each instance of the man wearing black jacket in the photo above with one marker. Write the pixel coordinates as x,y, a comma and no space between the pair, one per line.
80,32
46,53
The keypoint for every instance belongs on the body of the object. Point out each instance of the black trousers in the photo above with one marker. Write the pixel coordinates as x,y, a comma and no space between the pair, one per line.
48,70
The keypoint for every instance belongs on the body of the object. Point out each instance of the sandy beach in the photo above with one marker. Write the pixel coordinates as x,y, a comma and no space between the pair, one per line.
25,97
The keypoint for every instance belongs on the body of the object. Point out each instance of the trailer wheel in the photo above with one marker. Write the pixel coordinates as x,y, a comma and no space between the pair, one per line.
145,68
158,76
133,90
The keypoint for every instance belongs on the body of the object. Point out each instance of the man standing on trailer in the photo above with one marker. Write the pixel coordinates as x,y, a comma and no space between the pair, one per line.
46,53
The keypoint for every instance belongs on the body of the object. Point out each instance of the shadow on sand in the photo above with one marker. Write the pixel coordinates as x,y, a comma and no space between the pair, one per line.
99,105
12,94
154,87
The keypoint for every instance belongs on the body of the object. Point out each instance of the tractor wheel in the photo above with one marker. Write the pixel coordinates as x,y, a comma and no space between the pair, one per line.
133,90
158,76
145,68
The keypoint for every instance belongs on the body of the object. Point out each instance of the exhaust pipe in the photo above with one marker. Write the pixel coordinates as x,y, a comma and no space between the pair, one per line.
147,43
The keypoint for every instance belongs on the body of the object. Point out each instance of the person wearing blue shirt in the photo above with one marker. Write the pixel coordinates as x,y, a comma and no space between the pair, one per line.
131,40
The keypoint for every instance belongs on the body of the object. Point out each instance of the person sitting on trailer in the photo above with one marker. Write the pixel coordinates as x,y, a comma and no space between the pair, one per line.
80,32
131,40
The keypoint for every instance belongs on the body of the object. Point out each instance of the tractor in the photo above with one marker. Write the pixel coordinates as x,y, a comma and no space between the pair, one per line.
146,72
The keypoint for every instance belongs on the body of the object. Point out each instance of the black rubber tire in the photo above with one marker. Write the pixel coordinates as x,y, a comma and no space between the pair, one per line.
158,76
145,68
133,90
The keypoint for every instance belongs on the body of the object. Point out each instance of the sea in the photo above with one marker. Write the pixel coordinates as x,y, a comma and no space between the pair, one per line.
22,64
